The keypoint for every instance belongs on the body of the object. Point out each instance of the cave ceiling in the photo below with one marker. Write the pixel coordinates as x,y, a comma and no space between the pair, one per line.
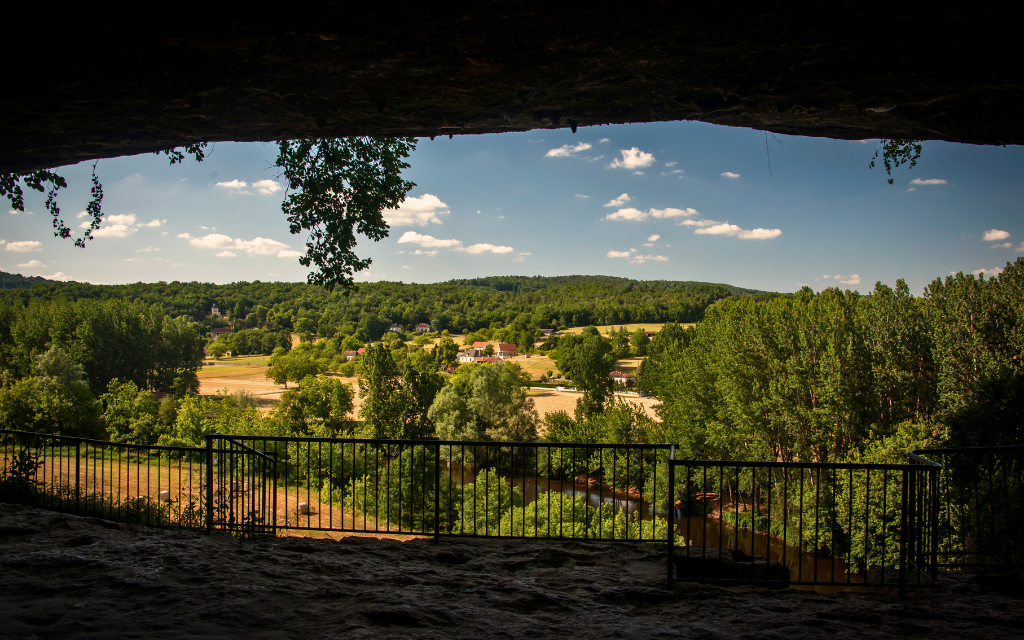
92,83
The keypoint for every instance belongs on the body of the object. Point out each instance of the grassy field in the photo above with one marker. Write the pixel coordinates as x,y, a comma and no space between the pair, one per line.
256,360
606,329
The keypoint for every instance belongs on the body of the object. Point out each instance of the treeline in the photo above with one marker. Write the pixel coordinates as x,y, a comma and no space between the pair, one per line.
457,305
835,376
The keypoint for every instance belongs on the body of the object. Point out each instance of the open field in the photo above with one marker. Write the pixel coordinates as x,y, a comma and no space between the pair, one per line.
253,360
550,400
606,329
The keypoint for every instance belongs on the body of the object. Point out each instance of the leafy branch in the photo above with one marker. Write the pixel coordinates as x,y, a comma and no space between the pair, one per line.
896,153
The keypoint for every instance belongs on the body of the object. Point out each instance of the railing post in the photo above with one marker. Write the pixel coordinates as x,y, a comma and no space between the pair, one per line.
904,525
78,477
274,498
671,513
209,483
934,483
437,493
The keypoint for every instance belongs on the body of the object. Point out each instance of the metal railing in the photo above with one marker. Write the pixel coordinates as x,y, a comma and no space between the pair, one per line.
980,512
241,487
456,488
140,484
791,523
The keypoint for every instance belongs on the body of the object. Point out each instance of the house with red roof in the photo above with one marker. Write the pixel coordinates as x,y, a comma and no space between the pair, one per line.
506,350
480,345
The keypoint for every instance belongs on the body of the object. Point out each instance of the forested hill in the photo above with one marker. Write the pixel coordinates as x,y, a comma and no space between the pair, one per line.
455,305
18,281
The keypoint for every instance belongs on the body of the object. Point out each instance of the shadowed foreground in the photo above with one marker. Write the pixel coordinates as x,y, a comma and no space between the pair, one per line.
64,576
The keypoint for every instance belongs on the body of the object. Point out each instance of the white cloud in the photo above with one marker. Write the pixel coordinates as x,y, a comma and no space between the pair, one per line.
853,278
726,229
640,259
519,256
24,246
419,252
427,241
60,275
578,195
671,172
1020,248
995,234
233,184
152,223
671,164
911,189
618,254
919,181
484,247
227,254
567,150
31,264
81,214
697,223
632,159
418,211
673,213
14,212
653,238
627,214
227,244
729,174
289,253
988,272
121,218
604,140
1005,245
266,187
149,249
619,201
406,267
133,259
499,217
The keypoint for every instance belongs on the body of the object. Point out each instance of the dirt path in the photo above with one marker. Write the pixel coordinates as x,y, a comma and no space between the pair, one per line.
68,577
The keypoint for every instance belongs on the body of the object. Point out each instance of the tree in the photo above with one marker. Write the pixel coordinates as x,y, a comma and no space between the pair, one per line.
587,360
341,187
218,349
446,353
131,414
321,406
55,400
381,389
486,403
639,341
292,365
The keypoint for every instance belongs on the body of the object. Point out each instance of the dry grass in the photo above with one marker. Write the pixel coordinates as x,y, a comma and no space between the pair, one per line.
606,329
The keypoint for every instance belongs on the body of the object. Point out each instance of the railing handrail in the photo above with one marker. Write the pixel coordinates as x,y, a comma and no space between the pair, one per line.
468,443
852,466
232,440
999,449
131,445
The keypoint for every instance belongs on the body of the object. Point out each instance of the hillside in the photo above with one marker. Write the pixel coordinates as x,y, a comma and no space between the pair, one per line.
455,305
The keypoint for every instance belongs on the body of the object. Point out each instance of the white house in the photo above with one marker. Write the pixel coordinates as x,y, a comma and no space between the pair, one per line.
214,311
507,350
395,328
423,327
470,355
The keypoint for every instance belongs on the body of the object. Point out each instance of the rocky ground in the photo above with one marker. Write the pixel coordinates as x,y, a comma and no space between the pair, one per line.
68,577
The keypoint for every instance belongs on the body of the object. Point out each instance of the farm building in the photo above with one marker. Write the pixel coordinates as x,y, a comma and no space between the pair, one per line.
395,328
216,333
507,350
479,345
348,355
423,327
469,355
622,379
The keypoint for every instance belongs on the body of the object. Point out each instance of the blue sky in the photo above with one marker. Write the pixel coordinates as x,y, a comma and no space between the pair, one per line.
678,201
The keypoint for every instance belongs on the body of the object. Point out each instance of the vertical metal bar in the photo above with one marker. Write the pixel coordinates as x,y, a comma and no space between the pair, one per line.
903,535
78,477
671,518
437,492
209,484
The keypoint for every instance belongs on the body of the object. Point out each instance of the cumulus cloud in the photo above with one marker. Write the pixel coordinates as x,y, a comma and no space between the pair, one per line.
653,238
152,223
406,267
1020,248
919,181
60,276
697,223
418,252
995,234
628,213
567,150
427,241
726,229
988,272
418,211
227,254
266,187
32,264
619,201
671,164
618,254
227,244
484,247
24,246
289,253
1005,245
853,278
640,259
632,159
148,249
673,213
578,195
604,140
233,184
729,174
519,256
81,214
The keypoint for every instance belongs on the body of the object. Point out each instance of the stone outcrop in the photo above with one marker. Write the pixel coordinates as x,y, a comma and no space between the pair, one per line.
713,564
82,86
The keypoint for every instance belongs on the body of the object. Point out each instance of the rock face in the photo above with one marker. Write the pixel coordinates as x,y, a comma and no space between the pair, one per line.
93,89
68,577
712,564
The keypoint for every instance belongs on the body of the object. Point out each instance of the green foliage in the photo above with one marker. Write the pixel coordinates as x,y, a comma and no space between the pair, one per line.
380,387
897,152
446,353
340,187
487,402
587,359
294,365
131,414
320,406
639,342
55,400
